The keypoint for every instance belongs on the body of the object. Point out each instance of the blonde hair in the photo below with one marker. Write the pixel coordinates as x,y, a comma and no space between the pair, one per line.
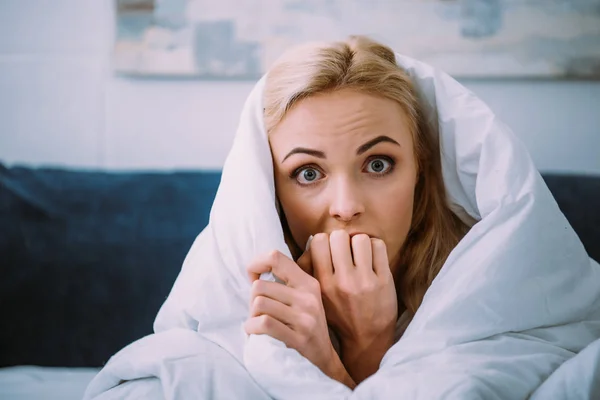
362,64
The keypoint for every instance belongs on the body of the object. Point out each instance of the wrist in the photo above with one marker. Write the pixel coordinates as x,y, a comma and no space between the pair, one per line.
336,370
382,338
362,356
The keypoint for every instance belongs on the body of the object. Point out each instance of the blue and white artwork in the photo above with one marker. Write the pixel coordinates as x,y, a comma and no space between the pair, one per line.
240,39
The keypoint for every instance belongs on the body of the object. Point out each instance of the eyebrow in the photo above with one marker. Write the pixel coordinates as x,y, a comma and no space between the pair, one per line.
362,149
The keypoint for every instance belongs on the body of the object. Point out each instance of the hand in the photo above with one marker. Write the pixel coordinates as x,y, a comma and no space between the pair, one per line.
359,296
292,312
358,289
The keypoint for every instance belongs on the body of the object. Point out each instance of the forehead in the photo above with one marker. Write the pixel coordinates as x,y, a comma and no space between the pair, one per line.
344,114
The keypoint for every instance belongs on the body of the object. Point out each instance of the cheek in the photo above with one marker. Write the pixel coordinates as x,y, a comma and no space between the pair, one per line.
396,217
301,214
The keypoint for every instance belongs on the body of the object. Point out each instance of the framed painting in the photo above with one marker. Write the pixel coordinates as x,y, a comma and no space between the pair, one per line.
239,39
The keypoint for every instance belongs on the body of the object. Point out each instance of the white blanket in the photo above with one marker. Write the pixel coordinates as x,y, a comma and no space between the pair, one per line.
516,298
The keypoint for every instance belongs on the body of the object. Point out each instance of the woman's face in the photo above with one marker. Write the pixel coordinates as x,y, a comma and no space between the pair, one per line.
345,160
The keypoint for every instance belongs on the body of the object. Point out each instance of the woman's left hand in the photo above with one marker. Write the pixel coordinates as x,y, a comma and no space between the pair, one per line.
359,296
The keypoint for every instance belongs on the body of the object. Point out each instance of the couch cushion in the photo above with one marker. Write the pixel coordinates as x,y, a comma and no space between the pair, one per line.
88,258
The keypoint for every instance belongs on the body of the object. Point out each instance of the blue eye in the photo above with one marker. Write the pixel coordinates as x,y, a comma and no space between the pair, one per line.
307,175
379,166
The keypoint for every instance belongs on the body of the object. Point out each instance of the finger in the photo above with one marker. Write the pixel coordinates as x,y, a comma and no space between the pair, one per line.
320,254
266,306
267,325
273,290
381,265
341,252
362,252
281,266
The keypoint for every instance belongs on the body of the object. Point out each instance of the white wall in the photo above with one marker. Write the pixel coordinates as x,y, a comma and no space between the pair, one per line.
60,104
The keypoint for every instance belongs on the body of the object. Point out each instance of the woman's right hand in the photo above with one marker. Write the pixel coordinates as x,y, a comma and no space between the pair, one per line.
292,312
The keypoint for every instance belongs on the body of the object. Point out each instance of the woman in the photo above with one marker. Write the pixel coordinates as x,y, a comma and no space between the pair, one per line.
356,167
386,163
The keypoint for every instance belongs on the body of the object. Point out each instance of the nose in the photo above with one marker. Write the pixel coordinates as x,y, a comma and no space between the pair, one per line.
346,201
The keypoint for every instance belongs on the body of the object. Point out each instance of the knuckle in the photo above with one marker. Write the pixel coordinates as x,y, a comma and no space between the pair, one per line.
345,287
312,304
312,323
273,256
264,322
314,286
300,342
260,303
369,287
257,286
308,324
305,326
305,299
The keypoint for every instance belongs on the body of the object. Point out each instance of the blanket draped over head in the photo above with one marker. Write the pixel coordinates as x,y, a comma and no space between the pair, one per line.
515,299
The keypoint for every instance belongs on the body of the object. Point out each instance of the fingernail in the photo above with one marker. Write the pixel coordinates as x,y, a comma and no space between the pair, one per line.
308,242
